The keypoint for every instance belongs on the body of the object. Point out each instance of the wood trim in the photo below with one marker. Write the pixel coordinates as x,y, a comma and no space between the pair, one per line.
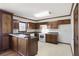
4,11
53,17
76,53
23,17
64,43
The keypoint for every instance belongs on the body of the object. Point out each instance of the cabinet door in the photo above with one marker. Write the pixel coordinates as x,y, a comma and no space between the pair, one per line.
31,25
14,43
15,24
52,25
33,47
22,46
0,41
6,23
37,25
51,38
5,41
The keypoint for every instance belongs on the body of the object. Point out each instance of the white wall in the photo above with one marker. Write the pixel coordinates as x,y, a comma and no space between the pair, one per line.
65,33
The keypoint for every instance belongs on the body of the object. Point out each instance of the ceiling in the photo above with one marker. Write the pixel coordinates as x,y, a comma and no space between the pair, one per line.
29,9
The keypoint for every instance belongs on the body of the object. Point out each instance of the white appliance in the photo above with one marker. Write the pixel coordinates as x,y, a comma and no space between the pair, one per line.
42,37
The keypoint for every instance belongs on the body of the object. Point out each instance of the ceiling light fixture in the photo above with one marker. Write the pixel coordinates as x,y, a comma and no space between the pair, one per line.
42,14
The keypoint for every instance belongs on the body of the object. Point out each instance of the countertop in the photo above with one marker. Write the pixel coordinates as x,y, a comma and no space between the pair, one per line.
53,33
23,36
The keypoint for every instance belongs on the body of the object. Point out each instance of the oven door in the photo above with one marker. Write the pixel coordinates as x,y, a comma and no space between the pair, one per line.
41,37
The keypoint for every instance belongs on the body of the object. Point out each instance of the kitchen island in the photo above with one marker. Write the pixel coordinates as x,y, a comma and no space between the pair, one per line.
24,45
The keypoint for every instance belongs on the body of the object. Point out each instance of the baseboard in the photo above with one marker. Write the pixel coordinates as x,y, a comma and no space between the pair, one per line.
64,43
69,45
71,50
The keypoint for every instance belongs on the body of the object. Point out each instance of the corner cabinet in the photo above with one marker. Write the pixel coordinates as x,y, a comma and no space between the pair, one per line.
5,29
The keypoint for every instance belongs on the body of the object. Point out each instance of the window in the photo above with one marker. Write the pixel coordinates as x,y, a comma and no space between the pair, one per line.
22,26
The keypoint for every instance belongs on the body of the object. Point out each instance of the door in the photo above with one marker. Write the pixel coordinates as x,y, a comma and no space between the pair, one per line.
76,46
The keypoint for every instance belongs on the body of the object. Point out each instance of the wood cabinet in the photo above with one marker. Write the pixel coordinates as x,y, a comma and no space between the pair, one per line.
14,43
5,29
31,25
33,47
65,21
5,41
37,35
51,38
23,46
37,25
27,47
15,24
52,25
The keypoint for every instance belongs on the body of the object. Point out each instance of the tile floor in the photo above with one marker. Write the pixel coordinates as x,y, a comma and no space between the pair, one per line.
48,49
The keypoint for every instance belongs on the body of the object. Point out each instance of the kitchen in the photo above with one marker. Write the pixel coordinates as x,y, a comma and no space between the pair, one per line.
25,35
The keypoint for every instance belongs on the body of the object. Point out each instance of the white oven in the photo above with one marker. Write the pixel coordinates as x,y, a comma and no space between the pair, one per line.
42,37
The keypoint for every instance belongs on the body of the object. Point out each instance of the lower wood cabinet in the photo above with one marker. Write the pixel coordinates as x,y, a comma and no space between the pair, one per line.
50,38
5,41
33,47
14,43
25,46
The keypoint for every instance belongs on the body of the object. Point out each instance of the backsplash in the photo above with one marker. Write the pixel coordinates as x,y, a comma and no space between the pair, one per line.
39,30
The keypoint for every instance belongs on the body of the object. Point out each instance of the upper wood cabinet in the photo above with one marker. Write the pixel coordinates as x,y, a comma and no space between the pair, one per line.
5,28
15,24
31,25
65,21
37,25
52,25
6,23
